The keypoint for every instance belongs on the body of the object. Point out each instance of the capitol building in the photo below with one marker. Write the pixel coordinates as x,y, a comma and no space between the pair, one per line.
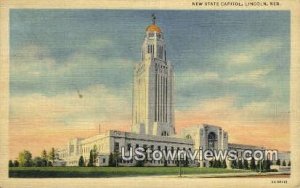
153,124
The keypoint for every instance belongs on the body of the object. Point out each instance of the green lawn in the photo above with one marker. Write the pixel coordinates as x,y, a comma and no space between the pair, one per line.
62,172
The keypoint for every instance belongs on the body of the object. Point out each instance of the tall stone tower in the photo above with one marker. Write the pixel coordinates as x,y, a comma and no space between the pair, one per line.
153,110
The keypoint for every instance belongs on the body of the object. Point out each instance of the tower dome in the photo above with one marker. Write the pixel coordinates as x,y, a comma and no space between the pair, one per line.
153,27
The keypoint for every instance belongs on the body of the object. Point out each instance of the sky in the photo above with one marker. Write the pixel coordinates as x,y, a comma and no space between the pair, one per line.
231,70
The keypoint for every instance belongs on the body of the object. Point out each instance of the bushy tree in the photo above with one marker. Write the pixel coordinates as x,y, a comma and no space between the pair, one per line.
246,164
44,154
165,163
93,156
10,163
16,163
25,158
283,163
240,164
44,158
289,164
234,164
259,166
49,163
177,162
38,162
51,155
278,162
111,161
185,162
267,165
140,163
81,161
224,165
91,159
252,164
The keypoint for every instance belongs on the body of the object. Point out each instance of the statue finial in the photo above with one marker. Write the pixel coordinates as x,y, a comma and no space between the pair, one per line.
153,18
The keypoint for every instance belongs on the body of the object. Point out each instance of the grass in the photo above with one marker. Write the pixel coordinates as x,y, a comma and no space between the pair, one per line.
64,172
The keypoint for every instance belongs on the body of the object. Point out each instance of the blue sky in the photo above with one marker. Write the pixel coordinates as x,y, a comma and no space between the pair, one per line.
197,41
231,68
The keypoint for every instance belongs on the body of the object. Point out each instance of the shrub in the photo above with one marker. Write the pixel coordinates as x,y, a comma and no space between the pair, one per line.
81,161
10,163
16,163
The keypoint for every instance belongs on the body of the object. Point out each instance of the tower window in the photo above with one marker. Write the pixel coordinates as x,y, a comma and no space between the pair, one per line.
188,136
164,133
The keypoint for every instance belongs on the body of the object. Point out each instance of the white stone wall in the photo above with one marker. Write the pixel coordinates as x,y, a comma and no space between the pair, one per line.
105,145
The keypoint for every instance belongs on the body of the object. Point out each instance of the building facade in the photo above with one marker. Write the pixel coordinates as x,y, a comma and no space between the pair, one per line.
153,109
152,116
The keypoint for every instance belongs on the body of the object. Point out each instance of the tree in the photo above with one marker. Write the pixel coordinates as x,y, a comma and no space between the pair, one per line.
165,163
91,159
10,163
278,162
38,162
246,164
93,156
289,164
264,165
186,162
240,164
25,158
44,154
176,162
49,163
139,163
52,155
234,164
224,165
252,164
267,165
111,161
217,164
44,157
81,161
16,163
259,166
283,163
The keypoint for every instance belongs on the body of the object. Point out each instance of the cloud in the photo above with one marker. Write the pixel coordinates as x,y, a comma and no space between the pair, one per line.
256,77
250,124
191,78
33,66
98,103
240,58
64,116
246,53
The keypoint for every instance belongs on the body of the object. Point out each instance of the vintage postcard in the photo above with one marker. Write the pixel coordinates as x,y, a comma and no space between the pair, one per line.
151,93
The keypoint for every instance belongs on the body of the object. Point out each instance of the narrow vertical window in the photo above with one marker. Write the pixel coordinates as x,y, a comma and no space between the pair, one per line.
155,99
167,99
